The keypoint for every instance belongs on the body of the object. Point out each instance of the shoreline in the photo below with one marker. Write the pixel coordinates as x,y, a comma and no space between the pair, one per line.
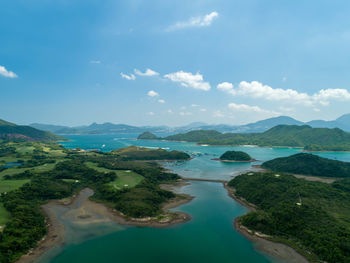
278,250
55,229
53,238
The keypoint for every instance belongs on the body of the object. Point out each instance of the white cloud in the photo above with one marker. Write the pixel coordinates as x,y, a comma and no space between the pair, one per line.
95,62
194,105
161,101
218,114
151,113
170,111
198,21
248,108
187,79
152,93
284,79
226,87
128,77
183,108
147,73
257,90
6,73
287,109
203,110
182,113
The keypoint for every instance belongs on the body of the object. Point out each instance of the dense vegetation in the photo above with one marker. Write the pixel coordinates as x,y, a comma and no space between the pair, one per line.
11,132
309,164
281,135
27,224
311,216
133,153
52,172
237,156
147,136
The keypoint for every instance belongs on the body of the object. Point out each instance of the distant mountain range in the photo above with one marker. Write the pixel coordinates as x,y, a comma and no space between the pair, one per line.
342,122
12,132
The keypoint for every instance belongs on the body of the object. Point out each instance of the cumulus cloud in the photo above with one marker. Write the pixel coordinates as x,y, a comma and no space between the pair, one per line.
198,21
218,114
6,73
248,108
187,79
170,111
128,77
152,93
226,87
203,110
257,90
194,105
151,113
147,73
161,101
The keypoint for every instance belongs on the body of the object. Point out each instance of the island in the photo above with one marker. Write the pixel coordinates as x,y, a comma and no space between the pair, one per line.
311,217
147,136
309,165
235,157
304,136
128,182
134,153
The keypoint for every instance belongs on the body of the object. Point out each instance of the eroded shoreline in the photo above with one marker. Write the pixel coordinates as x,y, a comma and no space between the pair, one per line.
80,210
275,249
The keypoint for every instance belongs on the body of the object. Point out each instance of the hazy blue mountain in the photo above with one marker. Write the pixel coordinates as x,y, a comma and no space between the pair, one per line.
342,122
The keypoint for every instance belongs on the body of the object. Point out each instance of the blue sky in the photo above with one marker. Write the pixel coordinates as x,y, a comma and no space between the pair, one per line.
223,61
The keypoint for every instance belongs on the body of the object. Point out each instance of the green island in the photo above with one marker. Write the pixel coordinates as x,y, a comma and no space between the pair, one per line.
235,156
147,136
311,139
125,180
133,153
309,164
311,217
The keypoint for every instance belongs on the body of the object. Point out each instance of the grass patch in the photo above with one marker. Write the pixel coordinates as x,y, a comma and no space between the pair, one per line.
4,216
125,178
9,185
18,170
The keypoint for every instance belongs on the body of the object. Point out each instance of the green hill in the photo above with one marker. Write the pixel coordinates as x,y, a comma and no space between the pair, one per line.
147,136
312,217
13,132
309,164
236,156
133,153
321,139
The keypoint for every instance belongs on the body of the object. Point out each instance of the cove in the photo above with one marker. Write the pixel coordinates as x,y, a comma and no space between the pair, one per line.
208,237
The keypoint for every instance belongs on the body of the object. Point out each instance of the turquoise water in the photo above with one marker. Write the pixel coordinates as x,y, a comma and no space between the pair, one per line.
208,237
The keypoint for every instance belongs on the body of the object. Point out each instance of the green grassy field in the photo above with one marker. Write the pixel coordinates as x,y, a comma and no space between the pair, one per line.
17,170
125,178
4,216
9,185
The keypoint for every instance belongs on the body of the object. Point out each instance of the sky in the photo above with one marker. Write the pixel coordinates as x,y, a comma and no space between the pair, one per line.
161,62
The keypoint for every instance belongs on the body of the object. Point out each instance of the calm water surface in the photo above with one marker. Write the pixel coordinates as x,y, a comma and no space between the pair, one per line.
208,237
